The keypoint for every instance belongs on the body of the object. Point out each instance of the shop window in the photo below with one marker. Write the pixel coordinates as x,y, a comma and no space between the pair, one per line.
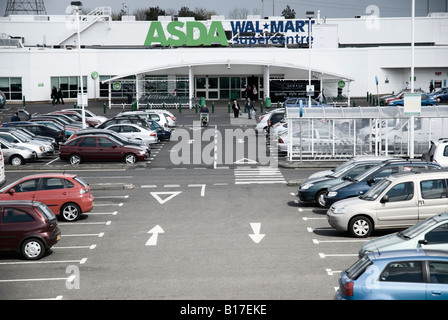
69,85
11,88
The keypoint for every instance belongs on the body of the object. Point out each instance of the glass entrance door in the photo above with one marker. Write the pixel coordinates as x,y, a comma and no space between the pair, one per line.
207,87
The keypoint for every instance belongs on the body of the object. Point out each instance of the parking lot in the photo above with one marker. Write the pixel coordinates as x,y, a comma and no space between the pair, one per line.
187,231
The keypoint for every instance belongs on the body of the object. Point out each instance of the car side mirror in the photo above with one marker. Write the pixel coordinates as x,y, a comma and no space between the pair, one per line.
384,199
11,191
423,241
370,181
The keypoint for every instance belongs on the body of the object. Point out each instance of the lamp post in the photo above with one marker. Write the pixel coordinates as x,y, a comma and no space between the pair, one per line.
309,15
76,5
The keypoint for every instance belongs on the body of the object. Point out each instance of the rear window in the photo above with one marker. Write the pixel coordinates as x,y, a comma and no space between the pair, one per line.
46,212
358,268
80,181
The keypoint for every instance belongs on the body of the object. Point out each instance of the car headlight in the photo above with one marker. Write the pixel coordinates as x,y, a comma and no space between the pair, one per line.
142,152
305,186
332,194
340,209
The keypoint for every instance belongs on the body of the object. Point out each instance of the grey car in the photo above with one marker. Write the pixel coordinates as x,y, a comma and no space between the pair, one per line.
16,155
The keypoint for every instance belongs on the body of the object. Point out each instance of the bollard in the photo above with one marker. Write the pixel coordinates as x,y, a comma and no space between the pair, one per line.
147,105
245,106
163,107
354,103
367,97
261,107
53,102
74,105
180,107
213,106
104,107
196,107
24,101
228,107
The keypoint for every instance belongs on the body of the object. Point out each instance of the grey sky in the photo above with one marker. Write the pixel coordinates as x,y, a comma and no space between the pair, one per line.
328,8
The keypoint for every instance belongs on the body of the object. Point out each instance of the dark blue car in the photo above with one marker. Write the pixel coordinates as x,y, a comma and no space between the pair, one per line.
364,182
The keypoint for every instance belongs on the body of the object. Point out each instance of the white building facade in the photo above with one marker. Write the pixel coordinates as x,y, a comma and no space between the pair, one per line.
218,58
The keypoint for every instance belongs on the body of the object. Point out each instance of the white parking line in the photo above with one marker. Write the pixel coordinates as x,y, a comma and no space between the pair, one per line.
99,235
323,255
82,261
108,204
331,272
112,213
91,247
107,197
107,223
314,218
315,241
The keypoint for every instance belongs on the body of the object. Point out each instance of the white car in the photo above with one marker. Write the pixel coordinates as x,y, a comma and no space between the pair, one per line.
264,119
134,131
88,114
164,118
19,141
16,155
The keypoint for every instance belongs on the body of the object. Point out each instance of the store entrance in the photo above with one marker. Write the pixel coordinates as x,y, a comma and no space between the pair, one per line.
251,82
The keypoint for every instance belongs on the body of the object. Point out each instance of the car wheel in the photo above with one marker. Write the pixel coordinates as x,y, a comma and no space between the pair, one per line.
360,227
130,158
16,160
33,249
75,159
320,198
70,212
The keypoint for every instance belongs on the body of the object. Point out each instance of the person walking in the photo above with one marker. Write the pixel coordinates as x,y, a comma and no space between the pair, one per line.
60,96
54,94
254,93
249,106
431,87
236,109
15,117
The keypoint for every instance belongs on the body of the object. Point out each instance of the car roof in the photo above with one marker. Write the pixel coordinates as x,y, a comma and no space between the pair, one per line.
405,254
421,174
49,175
33,203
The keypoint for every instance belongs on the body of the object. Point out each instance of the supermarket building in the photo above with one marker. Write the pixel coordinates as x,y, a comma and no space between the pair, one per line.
216,59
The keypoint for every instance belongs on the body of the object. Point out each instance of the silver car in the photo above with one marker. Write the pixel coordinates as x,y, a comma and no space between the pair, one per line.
20,140
431,233
16,155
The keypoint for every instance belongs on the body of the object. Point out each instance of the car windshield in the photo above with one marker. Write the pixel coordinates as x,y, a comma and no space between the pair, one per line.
46,212
374,192
358,268
367,173
343,171
9,186
344,165
418,228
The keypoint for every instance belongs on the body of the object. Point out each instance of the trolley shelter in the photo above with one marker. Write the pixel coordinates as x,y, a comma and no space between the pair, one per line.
320,133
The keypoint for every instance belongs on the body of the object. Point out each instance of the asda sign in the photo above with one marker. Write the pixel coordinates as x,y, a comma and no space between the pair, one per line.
190,33
244,32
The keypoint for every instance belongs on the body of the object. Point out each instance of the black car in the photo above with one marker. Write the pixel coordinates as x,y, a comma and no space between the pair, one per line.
40,130
124,119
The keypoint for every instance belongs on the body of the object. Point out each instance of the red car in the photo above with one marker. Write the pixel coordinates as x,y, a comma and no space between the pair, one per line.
67,195
100,148
28,227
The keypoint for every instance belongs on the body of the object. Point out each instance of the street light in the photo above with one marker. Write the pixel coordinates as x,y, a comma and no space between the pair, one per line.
76,5
309,15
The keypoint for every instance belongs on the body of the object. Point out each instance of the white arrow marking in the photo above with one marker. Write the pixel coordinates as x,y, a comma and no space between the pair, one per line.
152,241
162,201
246,161
256,237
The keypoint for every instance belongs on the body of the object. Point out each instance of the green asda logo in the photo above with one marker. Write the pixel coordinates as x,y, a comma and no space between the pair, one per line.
180,33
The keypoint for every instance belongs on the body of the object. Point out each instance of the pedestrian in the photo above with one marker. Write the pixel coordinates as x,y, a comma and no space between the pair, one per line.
321,97
250,107
407,87
254,93
248,93
60,96
431,87
236,109
54,94
15,117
